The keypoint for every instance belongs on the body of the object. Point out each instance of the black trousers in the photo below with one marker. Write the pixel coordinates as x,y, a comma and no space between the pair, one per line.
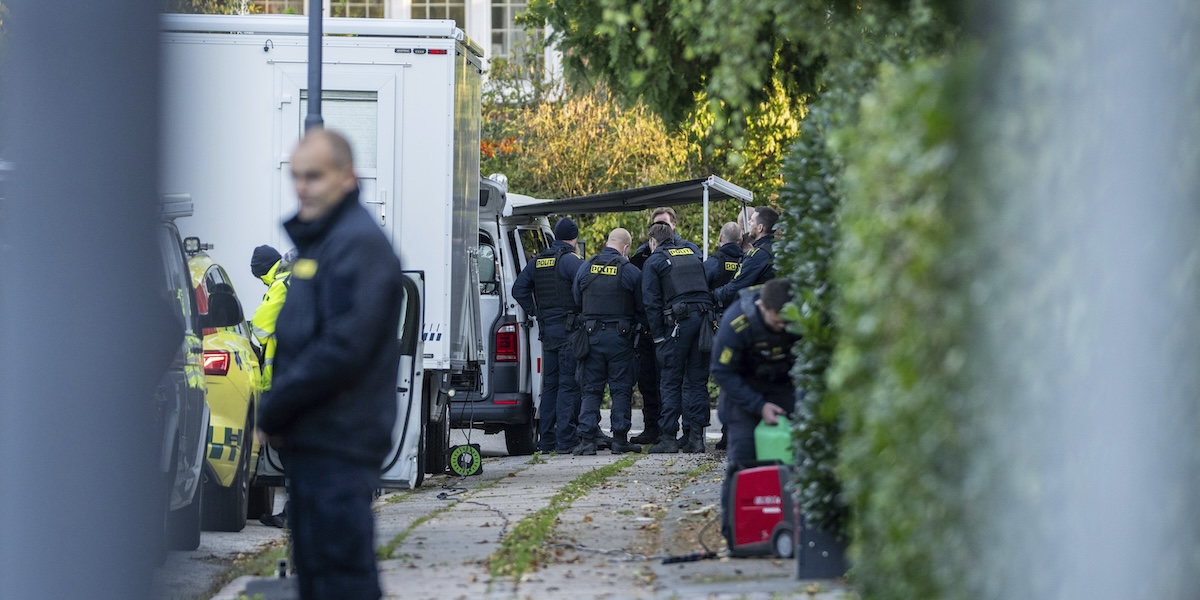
610,362
647,381
333,528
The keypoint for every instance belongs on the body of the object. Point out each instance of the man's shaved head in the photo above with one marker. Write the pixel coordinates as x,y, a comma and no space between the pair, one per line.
340,154
731,232
620,236
323,173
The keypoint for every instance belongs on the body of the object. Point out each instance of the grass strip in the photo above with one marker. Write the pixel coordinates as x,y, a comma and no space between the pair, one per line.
385,551
525,546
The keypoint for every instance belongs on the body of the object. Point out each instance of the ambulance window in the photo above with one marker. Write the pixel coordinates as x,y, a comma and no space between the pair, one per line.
354,115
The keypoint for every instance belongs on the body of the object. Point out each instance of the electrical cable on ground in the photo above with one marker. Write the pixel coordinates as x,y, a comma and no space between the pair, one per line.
453,490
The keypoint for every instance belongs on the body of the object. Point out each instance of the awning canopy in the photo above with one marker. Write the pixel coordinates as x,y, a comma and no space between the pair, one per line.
677,193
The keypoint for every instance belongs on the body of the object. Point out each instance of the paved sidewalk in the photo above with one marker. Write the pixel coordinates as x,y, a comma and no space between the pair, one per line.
608,544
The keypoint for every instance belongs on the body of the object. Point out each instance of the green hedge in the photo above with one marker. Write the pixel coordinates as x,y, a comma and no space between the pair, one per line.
898,370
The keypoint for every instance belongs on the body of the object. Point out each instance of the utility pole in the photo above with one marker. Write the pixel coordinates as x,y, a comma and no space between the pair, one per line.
313,119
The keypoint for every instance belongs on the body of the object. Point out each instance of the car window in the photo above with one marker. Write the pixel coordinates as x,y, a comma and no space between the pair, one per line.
489,267
215,279
533,241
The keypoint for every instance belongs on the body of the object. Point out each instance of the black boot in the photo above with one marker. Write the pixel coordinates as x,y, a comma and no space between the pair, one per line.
694,443
649,435
621,445
585,448
667,444
603,442
722,443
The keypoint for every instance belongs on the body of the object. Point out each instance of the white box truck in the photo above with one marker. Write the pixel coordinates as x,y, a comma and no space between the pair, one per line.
406,93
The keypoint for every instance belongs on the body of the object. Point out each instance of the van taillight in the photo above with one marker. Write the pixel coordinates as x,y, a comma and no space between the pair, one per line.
216,362
506,343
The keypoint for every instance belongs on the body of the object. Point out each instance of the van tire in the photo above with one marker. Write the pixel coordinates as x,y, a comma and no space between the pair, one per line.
520,439
437,451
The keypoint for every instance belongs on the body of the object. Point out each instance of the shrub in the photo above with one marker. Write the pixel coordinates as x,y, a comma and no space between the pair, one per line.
897,372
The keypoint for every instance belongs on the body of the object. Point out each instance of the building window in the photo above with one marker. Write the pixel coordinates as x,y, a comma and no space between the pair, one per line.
441,9
508,38
373,9
281,7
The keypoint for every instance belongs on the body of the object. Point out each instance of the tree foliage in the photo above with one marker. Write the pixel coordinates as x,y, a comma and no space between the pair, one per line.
210,7
555,139
584,144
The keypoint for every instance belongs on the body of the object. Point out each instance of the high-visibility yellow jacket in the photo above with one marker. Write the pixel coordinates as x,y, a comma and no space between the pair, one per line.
263,322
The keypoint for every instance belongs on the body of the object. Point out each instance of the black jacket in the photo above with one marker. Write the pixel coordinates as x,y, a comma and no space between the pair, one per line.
334,386
750,362
758,266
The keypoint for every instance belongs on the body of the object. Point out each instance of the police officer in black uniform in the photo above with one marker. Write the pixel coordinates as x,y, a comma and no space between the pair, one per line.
543,288
610,291
720,266
751,359
647,367
679,307
758,266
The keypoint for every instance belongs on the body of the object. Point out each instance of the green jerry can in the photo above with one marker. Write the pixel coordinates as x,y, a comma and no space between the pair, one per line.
774,442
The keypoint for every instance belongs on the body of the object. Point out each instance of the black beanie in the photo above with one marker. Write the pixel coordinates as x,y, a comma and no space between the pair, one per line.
566,229
263,259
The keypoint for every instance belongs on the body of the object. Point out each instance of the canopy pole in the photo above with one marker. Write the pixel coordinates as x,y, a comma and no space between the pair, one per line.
704,249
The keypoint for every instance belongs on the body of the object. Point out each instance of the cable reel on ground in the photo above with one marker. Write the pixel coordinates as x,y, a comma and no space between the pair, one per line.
466,460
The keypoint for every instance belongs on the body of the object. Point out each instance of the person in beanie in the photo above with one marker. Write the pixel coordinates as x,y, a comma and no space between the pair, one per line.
543,288
267,265
331,408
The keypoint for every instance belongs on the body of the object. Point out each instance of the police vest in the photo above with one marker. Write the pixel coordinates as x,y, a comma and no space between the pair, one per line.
685,274
727,266
550,290
770,358
603,294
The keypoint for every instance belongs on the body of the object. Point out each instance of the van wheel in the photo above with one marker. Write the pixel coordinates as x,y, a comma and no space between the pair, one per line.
520,440
438,446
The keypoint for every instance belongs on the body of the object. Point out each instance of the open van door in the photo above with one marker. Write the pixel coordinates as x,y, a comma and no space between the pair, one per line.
400,468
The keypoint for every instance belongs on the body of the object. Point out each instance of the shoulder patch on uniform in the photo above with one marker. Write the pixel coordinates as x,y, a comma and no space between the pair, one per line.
305,268
753,251
578,255
726,356
740,323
